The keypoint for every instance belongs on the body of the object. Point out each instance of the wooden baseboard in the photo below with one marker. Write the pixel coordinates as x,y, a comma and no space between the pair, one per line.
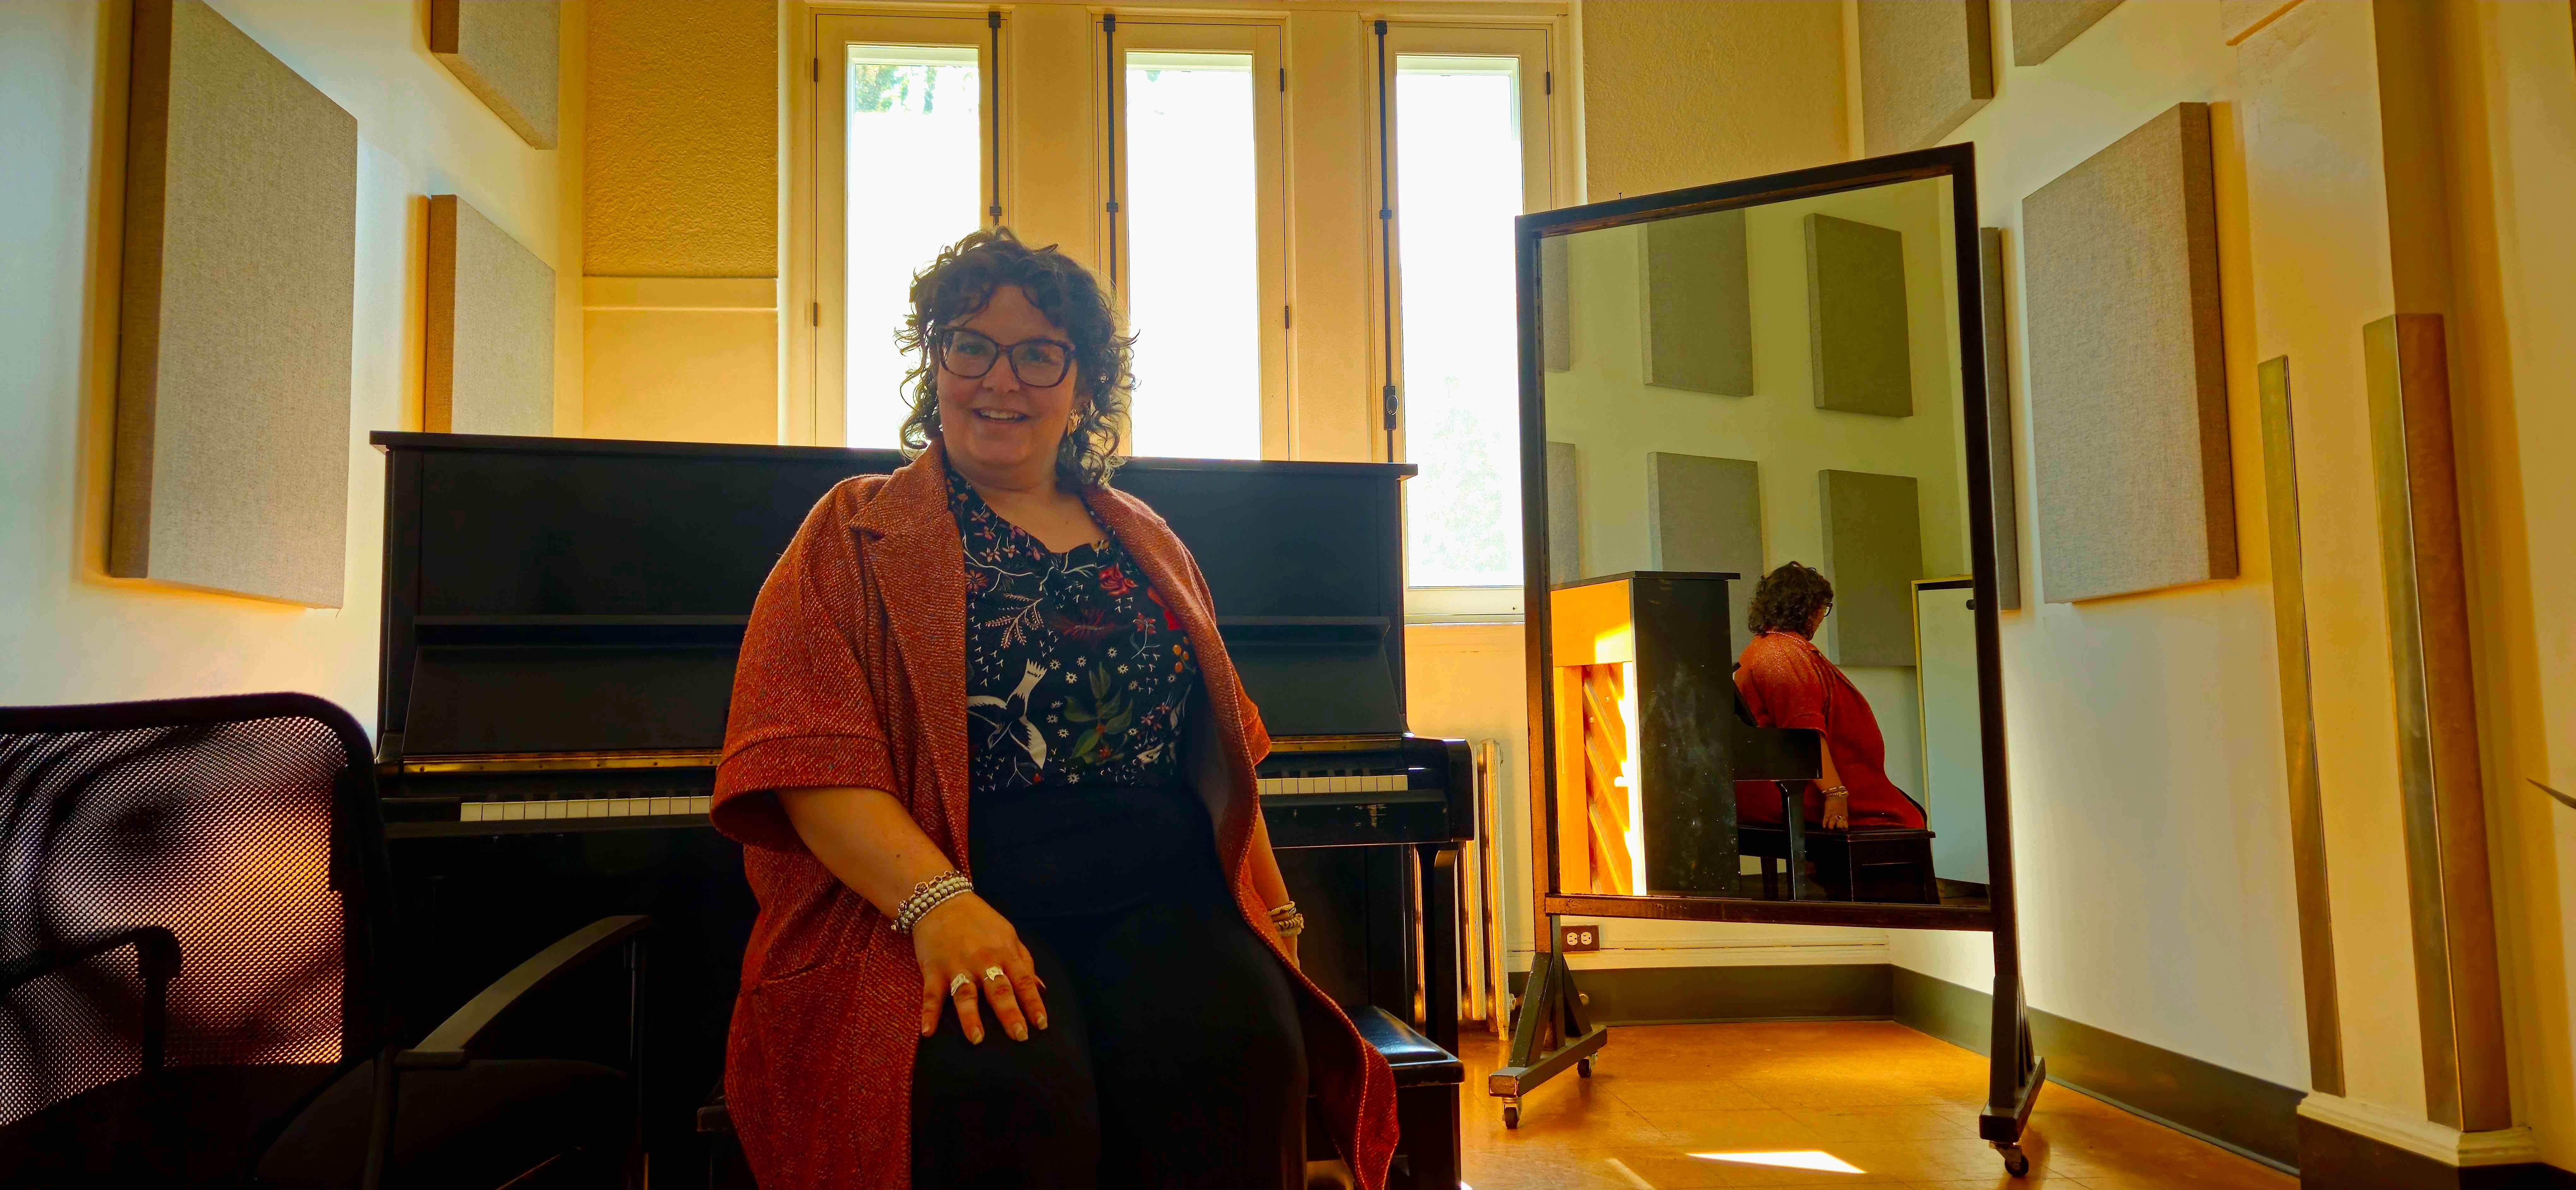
1698,995
2233,1110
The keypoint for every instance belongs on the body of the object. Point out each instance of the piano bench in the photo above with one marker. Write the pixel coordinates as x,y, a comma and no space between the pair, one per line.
1868,863
1426,1110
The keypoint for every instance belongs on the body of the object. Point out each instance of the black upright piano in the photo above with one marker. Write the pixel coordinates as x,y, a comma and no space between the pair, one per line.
561,621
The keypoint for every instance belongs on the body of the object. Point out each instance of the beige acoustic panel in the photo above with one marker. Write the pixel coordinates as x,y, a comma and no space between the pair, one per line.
240,273
2128,382
1856,338
506,52
1999,428
1705,515
490,338
2043,27
1556,305
1698,311
1925,67
1873,553
1564,515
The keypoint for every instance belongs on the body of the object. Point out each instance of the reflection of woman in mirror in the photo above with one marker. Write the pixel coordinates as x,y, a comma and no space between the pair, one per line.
1786,682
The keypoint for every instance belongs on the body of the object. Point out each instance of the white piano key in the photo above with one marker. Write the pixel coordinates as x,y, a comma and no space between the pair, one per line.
469,812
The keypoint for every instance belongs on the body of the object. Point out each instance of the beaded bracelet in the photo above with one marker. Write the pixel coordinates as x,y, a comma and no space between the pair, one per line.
928,895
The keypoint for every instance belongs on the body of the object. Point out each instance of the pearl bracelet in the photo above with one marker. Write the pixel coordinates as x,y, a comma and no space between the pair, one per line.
928,895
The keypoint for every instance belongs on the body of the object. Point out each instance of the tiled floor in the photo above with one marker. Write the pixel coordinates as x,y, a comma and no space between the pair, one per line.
1895,1105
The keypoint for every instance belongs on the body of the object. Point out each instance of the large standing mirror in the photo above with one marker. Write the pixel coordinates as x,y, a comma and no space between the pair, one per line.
1761,564
1760,538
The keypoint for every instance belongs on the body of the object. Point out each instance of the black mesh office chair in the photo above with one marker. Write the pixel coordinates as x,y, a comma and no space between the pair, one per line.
192,936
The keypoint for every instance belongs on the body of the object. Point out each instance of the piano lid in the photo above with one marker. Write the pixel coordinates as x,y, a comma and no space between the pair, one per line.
549,595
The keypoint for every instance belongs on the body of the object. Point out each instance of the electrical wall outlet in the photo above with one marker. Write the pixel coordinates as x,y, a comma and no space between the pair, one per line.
1578,939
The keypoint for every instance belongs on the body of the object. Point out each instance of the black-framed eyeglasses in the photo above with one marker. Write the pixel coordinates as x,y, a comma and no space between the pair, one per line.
1039,363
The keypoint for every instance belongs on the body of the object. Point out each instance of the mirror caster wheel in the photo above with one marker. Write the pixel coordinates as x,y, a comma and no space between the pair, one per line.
2016,1162
1511,1114
1583,1067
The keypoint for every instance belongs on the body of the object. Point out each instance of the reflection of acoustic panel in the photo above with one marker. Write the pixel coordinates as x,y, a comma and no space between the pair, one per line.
1706,515
2128,384
1999,432
490,335
2043,27
1555,305
1873,554
1856,336
1925,67
1564,515
232,407
505,52
1698,315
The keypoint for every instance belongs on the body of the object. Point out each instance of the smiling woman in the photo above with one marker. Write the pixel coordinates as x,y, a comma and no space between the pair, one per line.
995,627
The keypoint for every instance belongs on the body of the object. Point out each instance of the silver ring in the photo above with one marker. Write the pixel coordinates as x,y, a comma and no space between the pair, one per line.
960,981
994,973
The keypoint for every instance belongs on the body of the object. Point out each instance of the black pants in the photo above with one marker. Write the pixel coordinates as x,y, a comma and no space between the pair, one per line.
1173,1057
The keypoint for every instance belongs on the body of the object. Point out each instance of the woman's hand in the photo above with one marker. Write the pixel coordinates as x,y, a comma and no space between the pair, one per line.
964,936
1837,814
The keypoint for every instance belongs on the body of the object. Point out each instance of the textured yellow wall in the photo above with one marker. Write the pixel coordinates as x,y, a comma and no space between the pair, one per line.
1687,94
681,175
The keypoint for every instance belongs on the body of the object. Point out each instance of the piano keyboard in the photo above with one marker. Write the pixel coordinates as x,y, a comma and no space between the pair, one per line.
597,807
1367,783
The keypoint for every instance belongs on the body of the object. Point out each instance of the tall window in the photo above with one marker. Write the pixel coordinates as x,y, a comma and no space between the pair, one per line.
1193,255
915,183
904,166
1198,235
1459,182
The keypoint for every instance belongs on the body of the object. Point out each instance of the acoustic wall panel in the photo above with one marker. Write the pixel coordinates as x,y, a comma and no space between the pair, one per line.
240,272
1873,554
1856,338
1999,427
1705,515
1564,515
490,338
1699,313
2128,384
506,52
2043,27
1556,306
1925,67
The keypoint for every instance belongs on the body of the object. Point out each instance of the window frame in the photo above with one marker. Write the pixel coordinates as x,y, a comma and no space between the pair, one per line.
1263,40
1544,186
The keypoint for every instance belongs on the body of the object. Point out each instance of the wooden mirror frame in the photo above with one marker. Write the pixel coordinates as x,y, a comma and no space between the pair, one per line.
1958,163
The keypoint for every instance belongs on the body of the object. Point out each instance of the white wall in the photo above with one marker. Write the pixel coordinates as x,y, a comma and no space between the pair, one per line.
67,632
2149,814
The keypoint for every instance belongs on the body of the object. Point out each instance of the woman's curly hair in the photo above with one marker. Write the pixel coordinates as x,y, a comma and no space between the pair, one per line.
1788,599
960,284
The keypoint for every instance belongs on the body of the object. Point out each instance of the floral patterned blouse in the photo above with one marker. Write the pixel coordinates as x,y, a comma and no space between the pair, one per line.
1076,674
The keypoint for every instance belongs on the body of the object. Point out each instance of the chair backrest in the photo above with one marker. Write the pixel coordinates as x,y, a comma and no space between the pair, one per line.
246,826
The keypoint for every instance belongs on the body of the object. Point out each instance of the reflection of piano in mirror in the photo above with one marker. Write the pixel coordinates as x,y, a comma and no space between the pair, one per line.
561,620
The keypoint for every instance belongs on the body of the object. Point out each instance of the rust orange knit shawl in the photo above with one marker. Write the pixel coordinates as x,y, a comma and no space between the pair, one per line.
853,672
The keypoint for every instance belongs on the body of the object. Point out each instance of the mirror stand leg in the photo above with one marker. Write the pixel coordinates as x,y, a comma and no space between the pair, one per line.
2015,1076
1550,1034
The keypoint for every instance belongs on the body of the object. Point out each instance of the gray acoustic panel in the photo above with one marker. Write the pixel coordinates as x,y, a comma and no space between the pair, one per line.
1705,515
1999,427
1925,67
235,320
1873,553
1555,306
1698,312
490,334
1564,515
507,53
2043,27
2128,381
1862,359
